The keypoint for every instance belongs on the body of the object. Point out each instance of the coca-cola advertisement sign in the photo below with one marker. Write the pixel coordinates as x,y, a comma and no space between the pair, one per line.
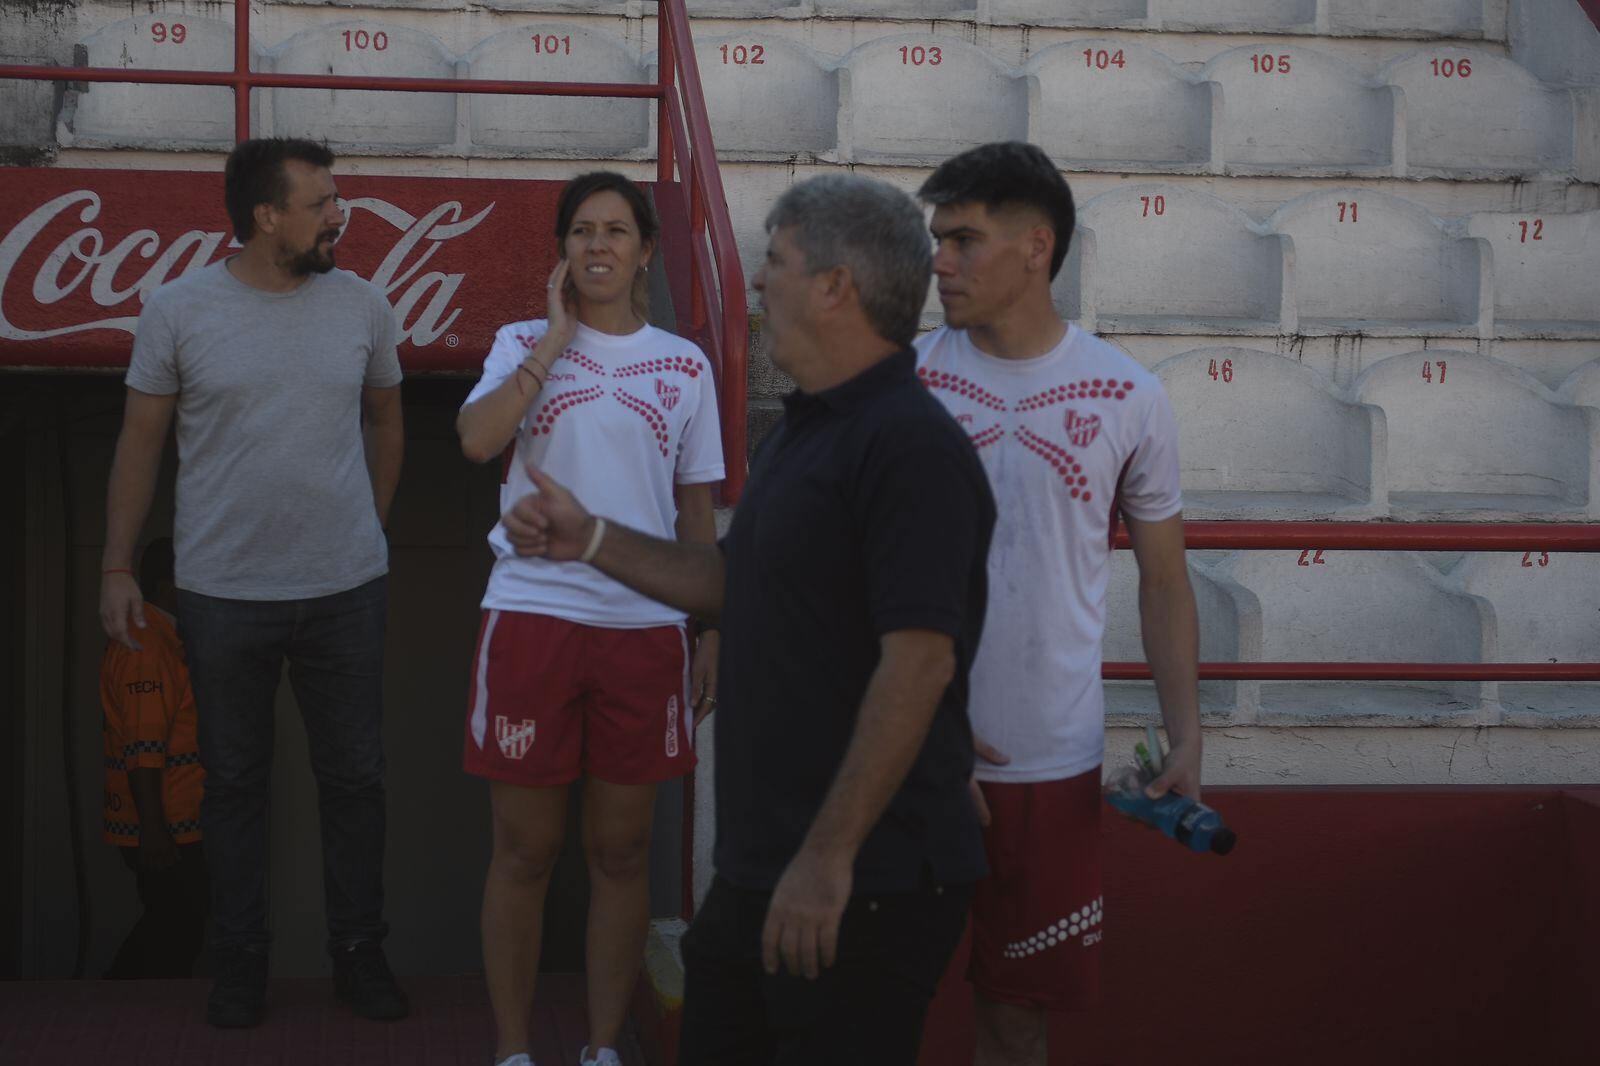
81,249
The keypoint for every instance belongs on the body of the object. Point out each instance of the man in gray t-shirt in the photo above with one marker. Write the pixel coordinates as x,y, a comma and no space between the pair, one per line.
284,380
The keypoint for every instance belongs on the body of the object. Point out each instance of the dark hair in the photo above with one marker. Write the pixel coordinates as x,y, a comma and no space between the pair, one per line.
584,186
255,175
579,189
155,565
1007,174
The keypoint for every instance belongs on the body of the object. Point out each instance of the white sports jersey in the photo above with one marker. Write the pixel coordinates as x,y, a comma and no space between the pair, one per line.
1066,438
619,421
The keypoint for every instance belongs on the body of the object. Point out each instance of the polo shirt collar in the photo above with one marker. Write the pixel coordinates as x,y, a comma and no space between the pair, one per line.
849,397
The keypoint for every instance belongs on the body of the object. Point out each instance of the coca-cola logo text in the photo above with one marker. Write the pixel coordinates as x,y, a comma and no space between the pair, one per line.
453,262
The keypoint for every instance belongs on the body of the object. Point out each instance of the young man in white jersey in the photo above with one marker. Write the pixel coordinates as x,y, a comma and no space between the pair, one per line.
1075,437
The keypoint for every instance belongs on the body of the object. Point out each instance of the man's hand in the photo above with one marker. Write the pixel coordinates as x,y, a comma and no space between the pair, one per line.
802,926
551,524
158,849
1180,773
993,756
120,603
703,676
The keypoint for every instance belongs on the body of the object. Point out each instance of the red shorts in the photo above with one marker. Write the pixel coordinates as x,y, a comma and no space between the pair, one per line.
1038,918
551,700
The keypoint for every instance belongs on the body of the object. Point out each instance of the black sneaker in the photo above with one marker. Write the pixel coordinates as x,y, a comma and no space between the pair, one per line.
363,980
239,992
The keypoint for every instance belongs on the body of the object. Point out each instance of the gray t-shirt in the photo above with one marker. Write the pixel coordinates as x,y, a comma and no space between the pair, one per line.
274,502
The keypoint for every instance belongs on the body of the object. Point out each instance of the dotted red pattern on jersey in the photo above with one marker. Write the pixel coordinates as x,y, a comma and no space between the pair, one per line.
1069,469
992,435
1087,389
648,412
682,364
584,361
560,403
940,379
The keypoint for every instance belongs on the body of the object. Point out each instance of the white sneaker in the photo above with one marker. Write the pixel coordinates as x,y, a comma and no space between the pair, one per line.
519,1059
604,1057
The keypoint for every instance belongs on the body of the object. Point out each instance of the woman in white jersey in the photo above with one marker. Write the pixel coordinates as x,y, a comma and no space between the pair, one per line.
576,676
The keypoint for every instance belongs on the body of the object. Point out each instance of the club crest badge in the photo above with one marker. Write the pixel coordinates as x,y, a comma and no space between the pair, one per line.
1081,430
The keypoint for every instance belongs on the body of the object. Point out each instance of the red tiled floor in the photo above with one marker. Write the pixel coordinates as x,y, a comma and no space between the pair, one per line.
161,1023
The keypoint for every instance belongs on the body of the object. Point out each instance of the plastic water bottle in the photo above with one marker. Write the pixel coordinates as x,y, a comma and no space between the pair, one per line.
1189,822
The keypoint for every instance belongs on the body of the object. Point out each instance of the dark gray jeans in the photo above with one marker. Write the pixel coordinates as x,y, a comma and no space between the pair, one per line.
334,646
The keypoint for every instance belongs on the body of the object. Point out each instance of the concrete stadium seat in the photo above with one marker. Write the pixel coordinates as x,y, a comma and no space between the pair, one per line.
1263,437
1350,606
1246,16
1494,120
1134,702
1582,386
1470,436
1544,611
1414,18
110,114
1171,259
365,118
1546,272
1284,106
751,80
1104,102
1131,13
924,98
570,126
1383,263
920,10
740,8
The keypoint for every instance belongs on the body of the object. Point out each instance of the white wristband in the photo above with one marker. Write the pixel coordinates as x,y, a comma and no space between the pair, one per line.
594,542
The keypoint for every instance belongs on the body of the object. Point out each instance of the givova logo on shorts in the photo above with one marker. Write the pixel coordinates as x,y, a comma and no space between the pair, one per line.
672,727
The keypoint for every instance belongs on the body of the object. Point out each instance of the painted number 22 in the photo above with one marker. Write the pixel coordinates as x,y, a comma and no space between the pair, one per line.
1307,558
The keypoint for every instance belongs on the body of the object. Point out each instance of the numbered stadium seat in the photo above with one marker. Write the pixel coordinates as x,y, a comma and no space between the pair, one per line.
1546,272
1134,702
1348,606
740,8
924,98
768,95
557,125
1473,114
1582,386
367,119
1414,18
1368,261
1470,436
1544,611
114,115
1172,260
1287,107
1100,102
1263,437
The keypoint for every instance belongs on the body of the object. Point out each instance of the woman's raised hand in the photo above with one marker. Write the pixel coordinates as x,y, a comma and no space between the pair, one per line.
561,305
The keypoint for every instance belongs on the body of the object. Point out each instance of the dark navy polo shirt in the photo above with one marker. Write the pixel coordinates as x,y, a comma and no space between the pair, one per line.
866,512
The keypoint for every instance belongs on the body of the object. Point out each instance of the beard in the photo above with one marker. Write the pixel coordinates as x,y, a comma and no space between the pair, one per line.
313,260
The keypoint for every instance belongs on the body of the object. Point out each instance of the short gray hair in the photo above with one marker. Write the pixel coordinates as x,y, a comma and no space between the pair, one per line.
874,230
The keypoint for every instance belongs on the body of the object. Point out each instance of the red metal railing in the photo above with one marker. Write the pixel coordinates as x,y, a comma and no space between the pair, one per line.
716,316
1349,536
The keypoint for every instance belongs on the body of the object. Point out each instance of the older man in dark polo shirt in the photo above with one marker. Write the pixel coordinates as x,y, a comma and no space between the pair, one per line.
851,591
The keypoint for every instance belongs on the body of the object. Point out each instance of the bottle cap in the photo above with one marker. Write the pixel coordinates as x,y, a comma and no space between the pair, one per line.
1223,840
